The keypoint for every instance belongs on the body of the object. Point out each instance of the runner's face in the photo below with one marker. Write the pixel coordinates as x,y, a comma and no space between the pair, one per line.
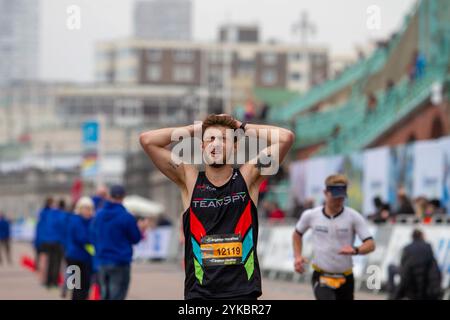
336,203
218,144
86,212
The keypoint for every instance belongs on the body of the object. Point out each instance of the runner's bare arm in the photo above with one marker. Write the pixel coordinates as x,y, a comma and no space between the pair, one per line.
156,145
299,260
275,149
368,246
297,242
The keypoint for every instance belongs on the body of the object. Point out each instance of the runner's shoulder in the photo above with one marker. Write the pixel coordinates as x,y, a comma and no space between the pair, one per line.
312,211
353,212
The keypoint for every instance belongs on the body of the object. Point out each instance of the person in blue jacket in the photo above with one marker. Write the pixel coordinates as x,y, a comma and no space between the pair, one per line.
41,256
78,252
100,197
65,215
5,238
114,233
49,239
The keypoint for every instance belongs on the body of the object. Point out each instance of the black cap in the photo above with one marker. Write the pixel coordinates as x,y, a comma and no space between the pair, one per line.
117,192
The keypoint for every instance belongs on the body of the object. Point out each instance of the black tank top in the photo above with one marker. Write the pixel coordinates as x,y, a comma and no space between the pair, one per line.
221,233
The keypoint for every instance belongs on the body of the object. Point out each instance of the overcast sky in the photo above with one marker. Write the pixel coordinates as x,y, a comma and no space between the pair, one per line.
341,25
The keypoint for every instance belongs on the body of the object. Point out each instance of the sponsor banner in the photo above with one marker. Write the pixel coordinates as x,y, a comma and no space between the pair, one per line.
317,170
428,169
155,245
445,196
278,254
264,234
401,168
420,169
352,166
375,177
90,143
23,230
297,176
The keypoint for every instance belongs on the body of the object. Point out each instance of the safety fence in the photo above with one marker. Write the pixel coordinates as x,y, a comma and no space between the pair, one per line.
277,260
275,251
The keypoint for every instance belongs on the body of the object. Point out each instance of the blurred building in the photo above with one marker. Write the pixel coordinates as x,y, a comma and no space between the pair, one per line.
19,40
26,106
22,193
237,67
41,122
238,33
163,19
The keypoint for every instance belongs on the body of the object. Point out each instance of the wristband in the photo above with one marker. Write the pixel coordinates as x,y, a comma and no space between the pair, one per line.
356,250
243,124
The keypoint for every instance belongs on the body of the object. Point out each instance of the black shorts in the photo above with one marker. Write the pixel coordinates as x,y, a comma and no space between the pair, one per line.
344,292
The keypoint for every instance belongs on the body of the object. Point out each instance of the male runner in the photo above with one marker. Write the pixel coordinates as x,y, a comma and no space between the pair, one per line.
334,227
220,221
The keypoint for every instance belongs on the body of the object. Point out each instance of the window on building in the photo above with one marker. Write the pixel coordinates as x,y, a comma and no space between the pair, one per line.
183,73
127,74
154,73
246,67
126,53
296,76
269,77
297,56
215,57
317,58
154,55
270,58
183,56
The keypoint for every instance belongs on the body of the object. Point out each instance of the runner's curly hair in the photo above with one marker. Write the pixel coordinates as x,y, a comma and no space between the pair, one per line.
218,120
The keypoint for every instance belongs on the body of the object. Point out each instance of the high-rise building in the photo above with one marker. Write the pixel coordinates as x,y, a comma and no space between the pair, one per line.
19,40
163,19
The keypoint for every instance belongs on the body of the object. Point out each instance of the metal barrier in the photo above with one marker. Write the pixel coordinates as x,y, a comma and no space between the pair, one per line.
277,260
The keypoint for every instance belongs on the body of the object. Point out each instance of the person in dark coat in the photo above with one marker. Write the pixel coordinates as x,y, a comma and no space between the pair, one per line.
404,203
420,275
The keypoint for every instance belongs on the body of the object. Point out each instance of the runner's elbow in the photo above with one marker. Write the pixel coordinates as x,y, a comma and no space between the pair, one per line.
288,136
145,138
371,246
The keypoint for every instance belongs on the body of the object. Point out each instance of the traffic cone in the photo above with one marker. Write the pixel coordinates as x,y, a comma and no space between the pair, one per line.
60,279
95,292
28,263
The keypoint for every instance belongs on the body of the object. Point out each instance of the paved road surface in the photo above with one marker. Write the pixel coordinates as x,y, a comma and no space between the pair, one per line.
148,281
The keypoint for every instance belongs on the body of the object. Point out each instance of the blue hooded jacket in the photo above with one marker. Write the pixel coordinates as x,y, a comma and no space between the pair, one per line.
98,202
77,238
114,232
50,227
4,229
66,221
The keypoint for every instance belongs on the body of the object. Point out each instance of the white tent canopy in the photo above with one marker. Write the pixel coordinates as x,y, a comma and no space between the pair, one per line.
141,206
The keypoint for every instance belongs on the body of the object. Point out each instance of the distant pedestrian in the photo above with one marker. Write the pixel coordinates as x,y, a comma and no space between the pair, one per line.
419,272
78,244
114,232
5,238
